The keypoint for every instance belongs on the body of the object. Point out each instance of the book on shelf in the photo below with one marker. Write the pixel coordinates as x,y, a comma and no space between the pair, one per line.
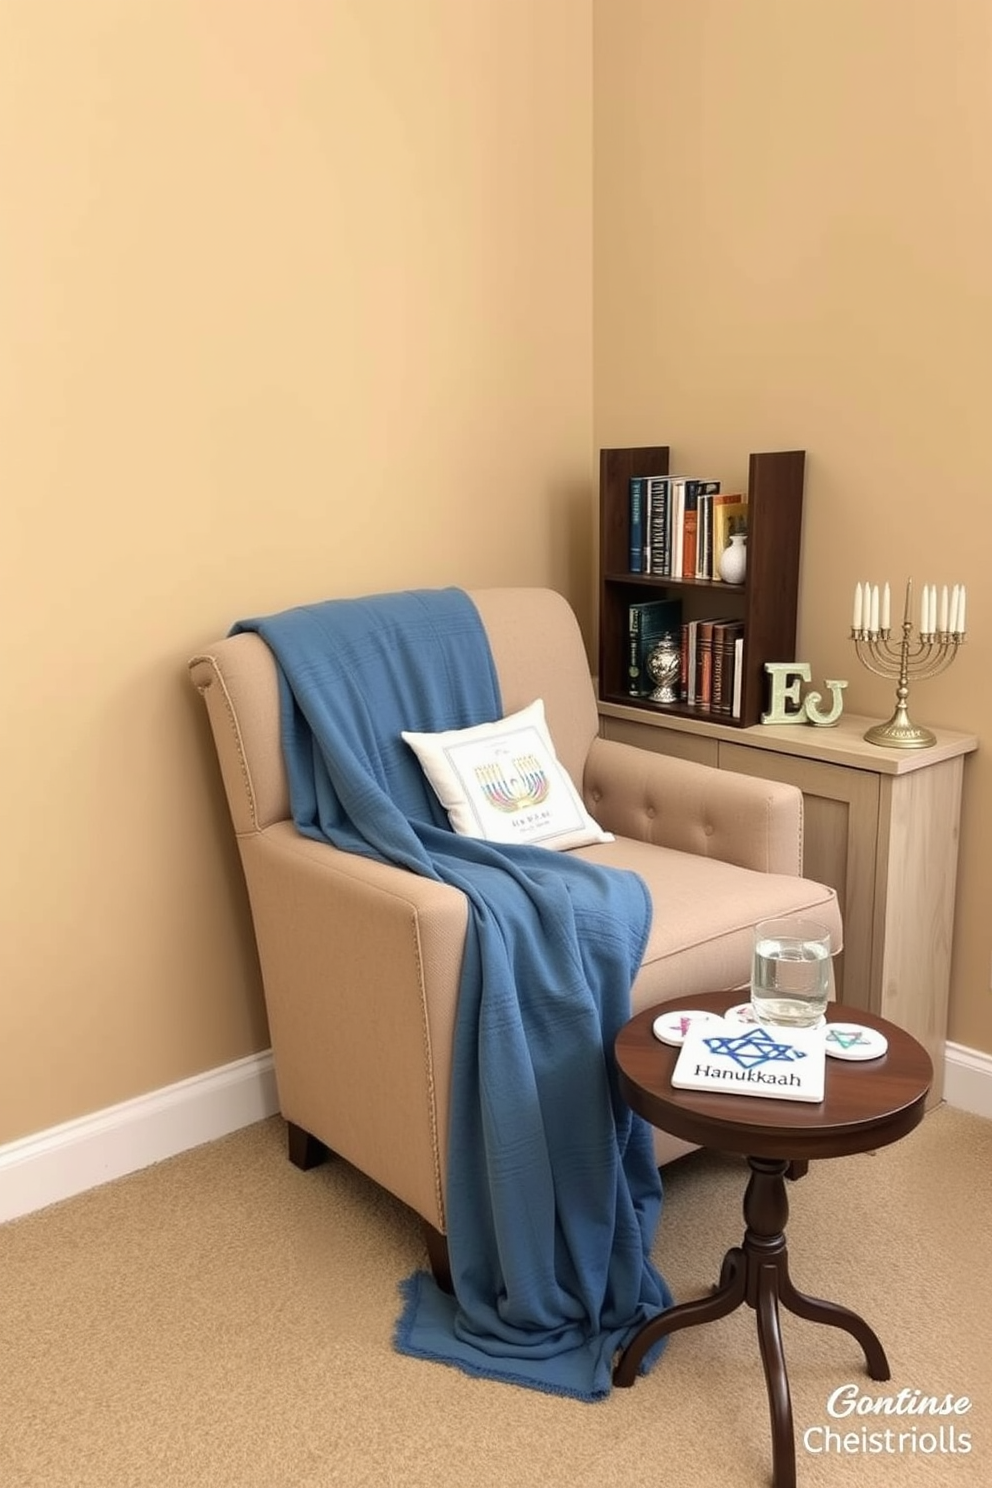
663,518
688,657
701,644
704,535
696,492
648,621
689,523
738,688
704,664
725,636
636,499
658,526
729,518
680,525
676,523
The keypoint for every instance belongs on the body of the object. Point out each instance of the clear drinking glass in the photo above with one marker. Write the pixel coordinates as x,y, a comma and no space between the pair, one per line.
792,972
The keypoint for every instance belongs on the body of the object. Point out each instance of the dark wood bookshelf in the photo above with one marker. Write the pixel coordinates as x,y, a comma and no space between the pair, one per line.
766,601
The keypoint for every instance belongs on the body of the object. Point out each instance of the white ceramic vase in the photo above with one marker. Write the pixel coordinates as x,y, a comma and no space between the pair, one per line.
733,559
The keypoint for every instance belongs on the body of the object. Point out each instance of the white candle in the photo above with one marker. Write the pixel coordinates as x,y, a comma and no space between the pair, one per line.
943,610
955,601
856,620
886,602
924,608
931,608
907,613
961,612
873,622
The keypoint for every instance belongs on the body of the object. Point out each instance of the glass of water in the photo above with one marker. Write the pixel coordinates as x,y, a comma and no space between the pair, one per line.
792,973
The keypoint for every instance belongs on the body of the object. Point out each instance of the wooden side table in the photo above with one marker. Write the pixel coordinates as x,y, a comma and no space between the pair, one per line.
865,1105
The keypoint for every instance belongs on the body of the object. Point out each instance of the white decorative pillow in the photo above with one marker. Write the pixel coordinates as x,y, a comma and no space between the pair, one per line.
503,782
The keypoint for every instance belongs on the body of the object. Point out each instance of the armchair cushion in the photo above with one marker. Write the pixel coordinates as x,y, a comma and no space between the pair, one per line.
503,782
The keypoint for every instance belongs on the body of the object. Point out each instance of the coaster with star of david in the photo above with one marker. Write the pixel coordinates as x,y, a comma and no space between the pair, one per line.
671,1028
855,1041
736,1059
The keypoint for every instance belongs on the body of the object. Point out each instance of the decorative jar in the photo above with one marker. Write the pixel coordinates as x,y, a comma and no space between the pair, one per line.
733,559
663,665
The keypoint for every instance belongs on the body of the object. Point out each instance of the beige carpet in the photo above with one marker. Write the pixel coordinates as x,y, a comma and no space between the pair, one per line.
223,1320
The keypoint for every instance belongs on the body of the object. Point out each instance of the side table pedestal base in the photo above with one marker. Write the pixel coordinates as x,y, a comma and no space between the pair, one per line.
757,1273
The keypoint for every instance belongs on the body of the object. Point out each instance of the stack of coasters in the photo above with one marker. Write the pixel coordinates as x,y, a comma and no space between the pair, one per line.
737,1059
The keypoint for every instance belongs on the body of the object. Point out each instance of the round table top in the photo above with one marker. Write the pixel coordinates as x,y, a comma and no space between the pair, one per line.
865,1104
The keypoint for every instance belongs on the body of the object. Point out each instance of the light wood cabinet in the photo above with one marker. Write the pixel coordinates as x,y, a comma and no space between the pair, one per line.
881,826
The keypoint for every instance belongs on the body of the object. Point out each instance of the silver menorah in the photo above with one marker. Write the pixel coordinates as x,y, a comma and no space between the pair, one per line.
932,652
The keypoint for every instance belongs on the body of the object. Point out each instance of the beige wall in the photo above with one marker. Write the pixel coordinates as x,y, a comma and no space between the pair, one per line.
793,239
295,298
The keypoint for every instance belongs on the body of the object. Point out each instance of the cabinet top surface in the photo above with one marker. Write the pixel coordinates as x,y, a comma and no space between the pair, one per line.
841,743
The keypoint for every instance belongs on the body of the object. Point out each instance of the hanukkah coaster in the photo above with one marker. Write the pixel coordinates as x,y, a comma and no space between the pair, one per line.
742,1013
854,1041
671,1028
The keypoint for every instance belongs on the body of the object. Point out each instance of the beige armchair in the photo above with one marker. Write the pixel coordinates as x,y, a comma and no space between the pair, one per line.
361,960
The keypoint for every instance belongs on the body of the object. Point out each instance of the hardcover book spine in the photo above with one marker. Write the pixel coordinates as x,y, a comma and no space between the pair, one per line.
633,657
738,688
704,537
695,491
691,668
689,525
724,635
704,665
660,561
716,699
636,556
676,523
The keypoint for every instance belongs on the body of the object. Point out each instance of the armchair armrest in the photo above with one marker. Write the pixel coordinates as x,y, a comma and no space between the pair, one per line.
694,808
361,963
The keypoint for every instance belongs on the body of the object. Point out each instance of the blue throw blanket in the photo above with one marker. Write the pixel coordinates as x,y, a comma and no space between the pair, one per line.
553,1194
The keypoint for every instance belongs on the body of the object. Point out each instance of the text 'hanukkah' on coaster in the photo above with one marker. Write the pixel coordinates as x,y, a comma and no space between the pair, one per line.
671,1028
855,1041
739,1060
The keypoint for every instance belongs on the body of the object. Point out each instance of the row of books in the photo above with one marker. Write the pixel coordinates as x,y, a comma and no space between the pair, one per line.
680,525
711,653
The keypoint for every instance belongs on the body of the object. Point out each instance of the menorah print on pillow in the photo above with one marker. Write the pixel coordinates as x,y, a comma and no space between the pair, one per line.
521,783
503,782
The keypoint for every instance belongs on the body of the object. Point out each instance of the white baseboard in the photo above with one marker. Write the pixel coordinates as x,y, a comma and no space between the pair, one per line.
968,1080
64,1160
52,1165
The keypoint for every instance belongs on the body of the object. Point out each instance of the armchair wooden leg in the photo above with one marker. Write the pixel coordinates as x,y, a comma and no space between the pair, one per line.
305,1151
437,1254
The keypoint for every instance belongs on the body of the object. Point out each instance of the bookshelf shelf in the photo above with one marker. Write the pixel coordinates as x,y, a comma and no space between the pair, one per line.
766,602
